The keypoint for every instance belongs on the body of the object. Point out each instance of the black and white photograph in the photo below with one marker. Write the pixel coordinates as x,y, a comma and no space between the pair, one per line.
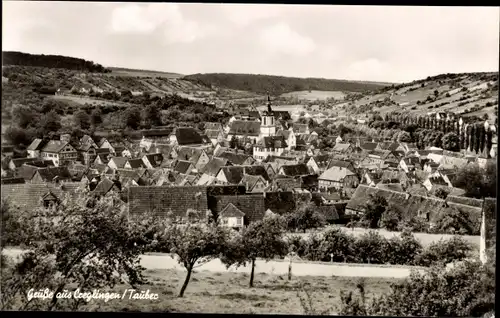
249,158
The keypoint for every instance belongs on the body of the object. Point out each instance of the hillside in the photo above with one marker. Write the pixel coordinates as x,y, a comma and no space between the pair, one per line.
277,85
51,61
120,71
467,94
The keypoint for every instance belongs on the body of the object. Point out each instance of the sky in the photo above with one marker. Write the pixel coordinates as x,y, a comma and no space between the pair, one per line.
369,43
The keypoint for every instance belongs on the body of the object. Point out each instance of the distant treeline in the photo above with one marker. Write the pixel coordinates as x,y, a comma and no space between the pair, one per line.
52,61
276,85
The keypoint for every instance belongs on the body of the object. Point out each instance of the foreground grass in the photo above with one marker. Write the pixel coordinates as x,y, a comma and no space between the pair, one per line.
229,293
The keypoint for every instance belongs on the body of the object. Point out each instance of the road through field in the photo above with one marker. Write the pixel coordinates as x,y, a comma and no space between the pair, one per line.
164,261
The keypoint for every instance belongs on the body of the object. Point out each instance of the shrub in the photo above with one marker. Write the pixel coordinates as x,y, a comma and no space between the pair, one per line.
403,249
372,248
465,291
337,246
444,252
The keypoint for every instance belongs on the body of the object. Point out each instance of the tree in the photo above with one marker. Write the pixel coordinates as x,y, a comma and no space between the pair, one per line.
23,116
133,117
337,246
96,117
467,133
306,216
451,142
444,252
82,119
372,248
456,221
49,122
233,143
152,115
403,249
424,294
438,136
477,142
489,142
471,178
404,136
81,242
17,136
472,142
261,239
436,92
193,244
482,138
441,193
391,218
374,209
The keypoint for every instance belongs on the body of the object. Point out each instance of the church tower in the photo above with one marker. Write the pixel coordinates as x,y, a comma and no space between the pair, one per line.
268,124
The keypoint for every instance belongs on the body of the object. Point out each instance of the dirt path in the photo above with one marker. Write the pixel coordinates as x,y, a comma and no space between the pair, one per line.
164,261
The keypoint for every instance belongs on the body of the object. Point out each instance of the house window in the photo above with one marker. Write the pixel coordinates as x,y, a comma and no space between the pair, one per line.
224,221
239,221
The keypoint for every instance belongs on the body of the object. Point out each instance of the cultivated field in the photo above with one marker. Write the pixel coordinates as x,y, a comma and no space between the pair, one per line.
289,108
424,238
74,100
116,71
229,293
314,95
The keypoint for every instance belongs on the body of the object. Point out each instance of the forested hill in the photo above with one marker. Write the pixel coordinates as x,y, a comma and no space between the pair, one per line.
279,84
51,61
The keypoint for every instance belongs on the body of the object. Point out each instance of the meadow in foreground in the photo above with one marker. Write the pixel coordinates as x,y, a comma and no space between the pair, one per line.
229,293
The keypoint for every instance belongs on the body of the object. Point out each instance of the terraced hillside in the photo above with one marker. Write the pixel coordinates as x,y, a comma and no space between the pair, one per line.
469,94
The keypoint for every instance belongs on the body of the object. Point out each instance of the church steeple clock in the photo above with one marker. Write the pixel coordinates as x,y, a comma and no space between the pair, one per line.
268,125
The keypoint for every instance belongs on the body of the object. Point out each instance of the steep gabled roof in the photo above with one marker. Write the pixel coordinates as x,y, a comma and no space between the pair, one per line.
213,166
162,200
104,186
235,158
285,133
234,174
189,154
300,169
28,196
244,127
36,144
187,136
249,181
250,204
231,211
136,163
340,164
368,146
155,159
336,174
54,146
280,202
300,128
213,133
119,161
48,174
182,166
341,147
273,142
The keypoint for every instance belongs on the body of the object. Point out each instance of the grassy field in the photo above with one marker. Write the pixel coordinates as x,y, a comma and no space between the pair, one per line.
118,71
82,100
289,108
229,293
424,238
314,95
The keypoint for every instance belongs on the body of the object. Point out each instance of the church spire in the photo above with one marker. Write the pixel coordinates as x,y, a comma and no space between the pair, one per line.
269,109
